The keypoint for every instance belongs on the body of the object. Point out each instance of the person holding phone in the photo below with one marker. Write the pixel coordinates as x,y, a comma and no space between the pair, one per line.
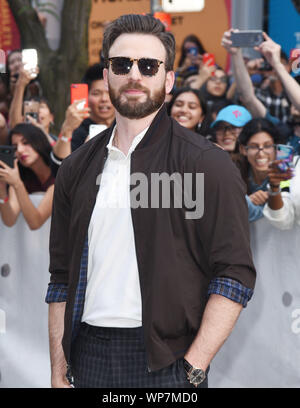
31,173
190,58
258,141
62,148
102,111
139,296
16,106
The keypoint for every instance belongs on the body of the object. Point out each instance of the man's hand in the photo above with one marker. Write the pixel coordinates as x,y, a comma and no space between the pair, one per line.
260,197
270,50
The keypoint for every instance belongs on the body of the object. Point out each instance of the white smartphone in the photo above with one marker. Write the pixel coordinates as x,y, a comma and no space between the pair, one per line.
95,130
30,60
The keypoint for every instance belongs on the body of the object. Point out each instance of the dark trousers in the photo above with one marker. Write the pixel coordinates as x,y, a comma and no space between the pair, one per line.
116,358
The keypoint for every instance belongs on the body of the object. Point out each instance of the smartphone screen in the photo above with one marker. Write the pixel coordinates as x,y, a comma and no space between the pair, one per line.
80,92
193,51
7,155
285,153
30,60
31,108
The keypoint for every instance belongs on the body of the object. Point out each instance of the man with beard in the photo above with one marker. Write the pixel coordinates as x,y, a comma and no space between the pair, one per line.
144,295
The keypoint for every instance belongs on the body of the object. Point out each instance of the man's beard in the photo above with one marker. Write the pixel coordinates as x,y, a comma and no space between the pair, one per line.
132,108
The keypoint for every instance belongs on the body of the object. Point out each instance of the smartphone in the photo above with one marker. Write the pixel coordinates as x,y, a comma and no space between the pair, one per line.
208,58
30,61
247,38
193,51
31,108
79,92
285,153
7,155
94,130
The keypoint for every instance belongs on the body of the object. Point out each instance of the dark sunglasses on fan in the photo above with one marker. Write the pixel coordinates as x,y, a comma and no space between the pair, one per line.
122,65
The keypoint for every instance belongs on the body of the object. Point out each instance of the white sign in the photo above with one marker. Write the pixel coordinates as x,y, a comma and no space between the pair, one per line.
175,6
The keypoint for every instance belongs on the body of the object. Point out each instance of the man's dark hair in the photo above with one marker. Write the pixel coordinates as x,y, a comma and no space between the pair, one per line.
143,24
93,73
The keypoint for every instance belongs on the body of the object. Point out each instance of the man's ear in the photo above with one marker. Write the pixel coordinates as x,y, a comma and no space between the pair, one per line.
170,79
105,78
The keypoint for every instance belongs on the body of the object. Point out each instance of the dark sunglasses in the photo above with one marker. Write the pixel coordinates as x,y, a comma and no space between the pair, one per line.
123,65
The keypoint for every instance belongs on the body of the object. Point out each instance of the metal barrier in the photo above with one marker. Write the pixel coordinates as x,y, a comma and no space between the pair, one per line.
262,351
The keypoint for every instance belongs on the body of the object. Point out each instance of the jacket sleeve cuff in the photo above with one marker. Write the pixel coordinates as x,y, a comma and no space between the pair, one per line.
231,289
57,292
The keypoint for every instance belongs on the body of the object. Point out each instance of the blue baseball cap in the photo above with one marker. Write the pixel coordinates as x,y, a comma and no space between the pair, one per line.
236,115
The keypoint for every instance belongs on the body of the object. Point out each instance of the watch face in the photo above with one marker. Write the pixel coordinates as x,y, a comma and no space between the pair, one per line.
197,376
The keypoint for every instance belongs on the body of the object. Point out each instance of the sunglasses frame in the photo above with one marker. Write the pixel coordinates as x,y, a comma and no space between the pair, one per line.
137,60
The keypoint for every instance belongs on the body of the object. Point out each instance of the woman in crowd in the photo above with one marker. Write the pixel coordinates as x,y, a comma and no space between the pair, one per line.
258,141
31,173
190,58
14,66
215,88
188,108
228,126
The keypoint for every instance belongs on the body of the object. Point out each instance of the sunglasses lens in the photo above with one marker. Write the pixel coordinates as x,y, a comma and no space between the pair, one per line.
148,66
121,65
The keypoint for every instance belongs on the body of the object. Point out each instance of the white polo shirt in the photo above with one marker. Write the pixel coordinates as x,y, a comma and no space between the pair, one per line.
113,295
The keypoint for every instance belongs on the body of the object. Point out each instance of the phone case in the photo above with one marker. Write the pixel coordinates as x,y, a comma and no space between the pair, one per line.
79,92
208,57
285,153
7,155
247,39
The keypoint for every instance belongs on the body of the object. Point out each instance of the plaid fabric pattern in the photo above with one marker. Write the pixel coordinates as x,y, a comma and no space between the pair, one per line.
57,292
80,291
278,106
231,289
104,357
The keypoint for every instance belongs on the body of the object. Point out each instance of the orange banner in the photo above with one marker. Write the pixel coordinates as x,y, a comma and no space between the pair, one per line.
9,33
208,25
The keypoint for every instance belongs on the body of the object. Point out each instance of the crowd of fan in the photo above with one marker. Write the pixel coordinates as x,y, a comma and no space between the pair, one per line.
247,112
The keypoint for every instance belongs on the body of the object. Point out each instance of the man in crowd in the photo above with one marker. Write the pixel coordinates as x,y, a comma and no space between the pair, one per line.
101,110
144,295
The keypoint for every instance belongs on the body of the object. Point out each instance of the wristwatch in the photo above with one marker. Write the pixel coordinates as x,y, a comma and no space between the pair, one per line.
273,193
195,375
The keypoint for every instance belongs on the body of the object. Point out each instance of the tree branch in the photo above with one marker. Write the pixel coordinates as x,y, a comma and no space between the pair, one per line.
31,30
